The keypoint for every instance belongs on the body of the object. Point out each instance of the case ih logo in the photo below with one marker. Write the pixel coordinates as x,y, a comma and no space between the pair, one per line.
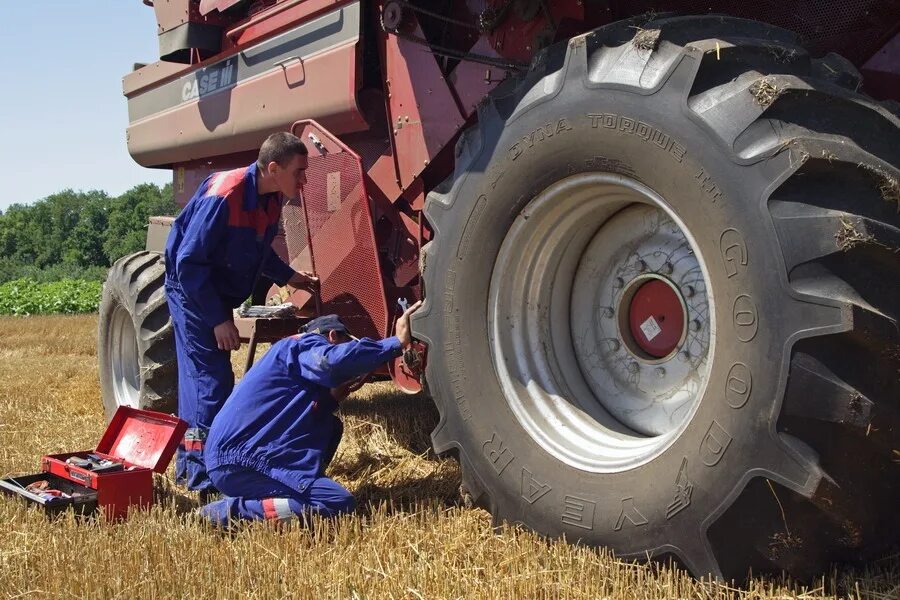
209,80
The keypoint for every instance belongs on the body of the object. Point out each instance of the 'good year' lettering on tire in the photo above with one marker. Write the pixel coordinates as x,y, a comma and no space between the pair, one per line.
745,318
579,512
532,489
738,385
497,453
714,444
734,251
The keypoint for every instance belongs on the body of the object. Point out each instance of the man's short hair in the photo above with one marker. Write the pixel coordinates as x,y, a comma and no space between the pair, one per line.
280,147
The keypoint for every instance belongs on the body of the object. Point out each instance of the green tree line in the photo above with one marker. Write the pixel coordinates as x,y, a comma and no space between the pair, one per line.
77,235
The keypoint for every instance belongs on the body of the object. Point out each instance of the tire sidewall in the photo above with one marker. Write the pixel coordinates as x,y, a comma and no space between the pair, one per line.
653,139
111,300
117,293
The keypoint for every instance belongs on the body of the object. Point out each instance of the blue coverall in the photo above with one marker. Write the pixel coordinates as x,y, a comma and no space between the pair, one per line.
218,247
269,446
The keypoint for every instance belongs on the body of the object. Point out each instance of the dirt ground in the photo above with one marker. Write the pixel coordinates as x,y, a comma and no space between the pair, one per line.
411,537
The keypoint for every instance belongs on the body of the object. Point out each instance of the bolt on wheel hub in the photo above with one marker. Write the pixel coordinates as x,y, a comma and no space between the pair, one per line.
601,322
641,361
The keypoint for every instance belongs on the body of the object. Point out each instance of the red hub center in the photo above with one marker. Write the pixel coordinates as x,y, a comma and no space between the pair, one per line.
656,318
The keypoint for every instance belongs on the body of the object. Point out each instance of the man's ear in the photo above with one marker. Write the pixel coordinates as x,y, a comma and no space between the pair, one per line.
333,336
271,167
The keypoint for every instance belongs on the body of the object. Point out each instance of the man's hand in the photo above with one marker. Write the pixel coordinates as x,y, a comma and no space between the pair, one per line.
401,329
227,337
305,281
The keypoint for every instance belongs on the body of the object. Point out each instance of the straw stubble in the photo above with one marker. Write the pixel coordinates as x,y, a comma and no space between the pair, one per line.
411,537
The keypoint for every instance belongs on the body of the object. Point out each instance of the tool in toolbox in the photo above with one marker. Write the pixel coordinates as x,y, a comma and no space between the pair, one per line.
96,463
115,477
54,493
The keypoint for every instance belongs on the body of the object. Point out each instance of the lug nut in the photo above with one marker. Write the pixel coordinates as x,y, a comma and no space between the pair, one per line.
641,266
689,291
614,345
667,268
619,282
660,372
695,325
634,367
685,355
608,312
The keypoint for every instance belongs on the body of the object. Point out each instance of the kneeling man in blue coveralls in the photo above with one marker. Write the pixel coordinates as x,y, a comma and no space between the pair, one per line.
269,446
218,248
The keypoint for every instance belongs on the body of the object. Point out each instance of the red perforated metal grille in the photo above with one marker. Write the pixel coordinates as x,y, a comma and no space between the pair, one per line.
343,243
852,28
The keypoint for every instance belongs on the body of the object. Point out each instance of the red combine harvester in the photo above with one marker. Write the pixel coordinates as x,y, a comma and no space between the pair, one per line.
658,250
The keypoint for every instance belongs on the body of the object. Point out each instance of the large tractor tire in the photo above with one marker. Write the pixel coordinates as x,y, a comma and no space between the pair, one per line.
136,343
662,300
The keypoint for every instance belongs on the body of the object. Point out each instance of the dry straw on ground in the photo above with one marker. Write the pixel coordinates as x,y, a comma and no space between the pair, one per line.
410,538
765,91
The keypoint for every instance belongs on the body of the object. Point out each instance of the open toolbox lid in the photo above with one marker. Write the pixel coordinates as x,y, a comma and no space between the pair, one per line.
142,437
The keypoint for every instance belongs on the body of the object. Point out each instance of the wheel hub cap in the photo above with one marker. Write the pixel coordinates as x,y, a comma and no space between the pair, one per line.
655,318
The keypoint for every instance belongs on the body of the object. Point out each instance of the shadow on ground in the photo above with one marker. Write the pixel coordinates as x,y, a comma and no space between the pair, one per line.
438,488
376,477
166,493
407,419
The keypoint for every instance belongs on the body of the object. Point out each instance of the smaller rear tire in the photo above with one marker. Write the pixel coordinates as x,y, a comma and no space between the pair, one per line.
135,341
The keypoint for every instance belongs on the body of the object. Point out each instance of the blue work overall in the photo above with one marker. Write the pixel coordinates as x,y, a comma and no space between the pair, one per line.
218,247
269,446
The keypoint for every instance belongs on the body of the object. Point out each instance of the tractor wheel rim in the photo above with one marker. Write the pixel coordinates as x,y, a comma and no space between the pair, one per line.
124,365
601,322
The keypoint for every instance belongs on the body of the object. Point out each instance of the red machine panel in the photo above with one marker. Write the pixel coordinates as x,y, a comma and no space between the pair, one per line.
207,6
331,232
231,102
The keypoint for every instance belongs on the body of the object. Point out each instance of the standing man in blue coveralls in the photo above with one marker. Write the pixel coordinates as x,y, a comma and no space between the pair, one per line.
269,446
219,246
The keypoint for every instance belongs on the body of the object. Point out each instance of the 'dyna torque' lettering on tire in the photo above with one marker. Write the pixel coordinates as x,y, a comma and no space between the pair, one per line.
661,300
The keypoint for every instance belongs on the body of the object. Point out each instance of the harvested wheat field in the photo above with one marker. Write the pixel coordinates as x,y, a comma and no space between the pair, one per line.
411,538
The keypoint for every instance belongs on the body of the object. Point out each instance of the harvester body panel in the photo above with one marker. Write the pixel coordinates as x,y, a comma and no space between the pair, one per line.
228,103
393,84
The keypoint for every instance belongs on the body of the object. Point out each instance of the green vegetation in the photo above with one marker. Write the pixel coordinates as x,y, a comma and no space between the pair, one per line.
77,235
54,254
27,297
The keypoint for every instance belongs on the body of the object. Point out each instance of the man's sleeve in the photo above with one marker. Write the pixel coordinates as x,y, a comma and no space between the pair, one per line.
193,265
330,365
276,269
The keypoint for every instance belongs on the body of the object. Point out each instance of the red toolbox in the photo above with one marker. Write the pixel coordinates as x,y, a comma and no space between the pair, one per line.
115,476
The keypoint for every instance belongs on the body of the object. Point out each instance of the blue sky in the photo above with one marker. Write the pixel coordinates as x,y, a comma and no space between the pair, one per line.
62,112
